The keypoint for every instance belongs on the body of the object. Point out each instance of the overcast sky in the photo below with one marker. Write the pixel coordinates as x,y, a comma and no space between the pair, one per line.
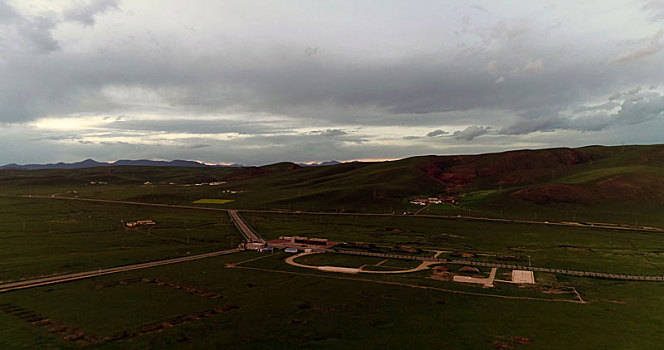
257,82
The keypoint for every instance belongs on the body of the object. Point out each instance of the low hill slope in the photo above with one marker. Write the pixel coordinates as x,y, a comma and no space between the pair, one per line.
590,179
624,183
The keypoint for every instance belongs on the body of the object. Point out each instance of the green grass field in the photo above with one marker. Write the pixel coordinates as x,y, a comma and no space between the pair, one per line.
42,237
323,311
259,301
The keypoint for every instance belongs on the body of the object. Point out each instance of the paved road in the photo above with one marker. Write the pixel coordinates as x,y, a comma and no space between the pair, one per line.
247,232
614,276
89,274
601,225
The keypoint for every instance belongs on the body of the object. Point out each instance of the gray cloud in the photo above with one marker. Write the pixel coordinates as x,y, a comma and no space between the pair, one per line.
329,132
205,72
198,145
84,12
603,106
471,132
654,46
655,10
21,34
202,126
437,133
637,107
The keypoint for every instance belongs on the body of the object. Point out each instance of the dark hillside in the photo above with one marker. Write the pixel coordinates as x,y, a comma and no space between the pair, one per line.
621,183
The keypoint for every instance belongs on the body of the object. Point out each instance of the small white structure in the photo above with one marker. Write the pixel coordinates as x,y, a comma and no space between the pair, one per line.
523,277
140,223
255,246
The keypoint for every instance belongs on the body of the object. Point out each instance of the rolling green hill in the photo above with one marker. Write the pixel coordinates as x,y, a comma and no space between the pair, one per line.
613,184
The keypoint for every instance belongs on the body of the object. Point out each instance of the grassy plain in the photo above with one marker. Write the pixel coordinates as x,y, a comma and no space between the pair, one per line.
275,305
288,309
49,236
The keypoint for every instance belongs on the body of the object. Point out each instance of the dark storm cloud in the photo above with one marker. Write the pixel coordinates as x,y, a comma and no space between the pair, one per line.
79,84
323,88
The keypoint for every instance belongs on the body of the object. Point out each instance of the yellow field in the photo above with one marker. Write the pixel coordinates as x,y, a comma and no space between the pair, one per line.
212,201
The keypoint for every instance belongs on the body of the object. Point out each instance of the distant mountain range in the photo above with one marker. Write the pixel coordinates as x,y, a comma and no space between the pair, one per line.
91,163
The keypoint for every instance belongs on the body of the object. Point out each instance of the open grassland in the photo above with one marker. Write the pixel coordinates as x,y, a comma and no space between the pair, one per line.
41,237
623,185
579,248
277,306
252,300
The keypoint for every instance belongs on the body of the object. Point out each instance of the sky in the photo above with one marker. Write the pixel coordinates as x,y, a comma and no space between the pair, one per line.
258,82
